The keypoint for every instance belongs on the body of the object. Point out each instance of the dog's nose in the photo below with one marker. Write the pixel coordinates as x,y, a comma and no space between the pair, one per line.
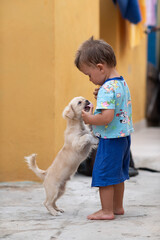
87,102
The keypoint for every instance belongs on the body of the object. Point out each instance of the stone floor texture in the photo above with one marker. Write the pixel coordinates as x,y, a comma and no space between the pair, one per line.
23,216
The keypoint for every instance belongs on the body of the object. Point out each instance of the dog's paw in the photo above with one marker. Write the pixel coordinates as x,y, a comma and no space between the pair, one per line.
56,212
52,211
60,210
95,141
95,146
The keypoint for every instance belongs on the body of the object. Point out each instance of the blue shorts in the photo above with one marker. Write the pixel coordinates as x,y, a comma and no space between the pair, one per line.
112,162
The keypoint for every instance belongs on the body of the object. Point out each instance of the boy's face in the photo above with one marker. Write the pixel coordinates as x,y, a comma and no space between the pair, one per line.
97,74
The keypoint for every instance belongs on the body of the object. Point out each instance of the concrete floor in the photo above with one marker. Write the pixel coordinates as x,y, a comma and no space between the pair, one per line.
23,216
146,148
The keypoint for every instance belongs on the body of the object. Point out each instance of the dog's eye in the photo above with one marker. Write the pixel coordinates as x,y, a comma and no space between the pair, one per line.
79,103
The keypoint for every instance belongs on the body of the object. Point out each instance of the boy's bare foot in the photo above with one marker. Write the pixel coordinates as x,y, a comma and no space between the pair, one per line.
101,215
119,211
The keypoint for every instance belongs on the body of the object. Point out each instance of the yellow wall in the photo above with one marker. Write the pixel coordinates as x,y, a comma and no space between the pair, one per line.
75,21
38,78
27,84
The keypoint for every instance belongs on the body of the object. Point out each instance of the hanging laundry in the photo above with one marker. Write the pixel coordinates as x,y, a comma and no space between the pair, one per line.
151,12
143,10
135,34
130,10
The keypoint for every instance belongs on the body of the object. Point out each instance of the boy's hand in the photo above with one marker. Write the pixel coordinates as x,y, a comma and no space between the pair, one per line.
95,93
87,115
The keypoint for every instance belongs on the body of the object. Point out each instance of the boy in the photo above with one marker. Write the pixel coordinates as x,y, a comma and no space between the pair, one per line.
112,123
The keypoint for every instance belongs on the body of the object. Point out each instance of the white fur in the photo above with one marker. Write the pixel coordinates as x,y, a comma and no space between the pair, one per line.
78,144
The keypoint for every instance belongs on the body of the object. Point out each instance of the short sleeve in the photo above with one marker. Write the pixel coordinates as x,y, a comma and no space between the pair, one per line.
106,97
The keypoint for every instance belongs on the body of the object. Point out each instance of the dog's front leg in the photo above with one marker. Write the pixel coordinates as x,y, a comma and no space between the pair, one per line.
94,141
80,142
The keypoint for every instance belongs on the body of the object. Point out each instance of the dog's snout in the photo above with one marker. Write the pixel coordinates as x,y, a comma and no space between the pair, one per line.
87,102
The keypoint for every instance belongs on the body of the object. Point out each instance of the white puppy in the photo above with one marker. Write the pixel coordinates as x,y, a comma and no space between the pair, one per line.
78,144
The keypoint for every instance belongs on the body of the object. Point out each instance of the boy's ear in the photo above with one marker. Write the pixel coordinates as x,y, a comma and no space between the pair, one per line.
100,66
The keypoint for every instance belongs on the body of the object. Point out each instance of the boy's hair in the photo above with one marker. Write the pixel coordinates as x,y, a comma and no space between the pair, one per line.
92,52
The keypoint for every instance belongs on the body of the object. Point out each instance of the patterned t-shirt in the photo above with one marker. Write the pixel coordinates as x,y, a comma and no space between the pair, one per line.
114,94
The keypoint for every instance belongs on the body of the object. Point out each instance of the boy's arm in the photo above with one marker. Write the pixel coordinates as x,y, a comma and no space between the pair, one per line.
103,118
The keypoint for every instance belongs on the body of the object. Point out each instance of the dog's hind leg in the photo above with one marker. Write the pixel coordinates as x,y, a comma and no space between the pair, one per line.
60,193
51,195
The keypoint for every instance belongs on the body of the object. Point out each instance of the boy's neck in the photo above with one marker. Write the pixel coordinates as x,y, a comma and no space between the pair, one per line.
112,73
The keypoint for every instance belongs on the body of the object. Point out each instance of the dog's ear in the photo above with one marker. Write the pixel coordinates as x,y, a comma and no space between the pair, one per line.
68,112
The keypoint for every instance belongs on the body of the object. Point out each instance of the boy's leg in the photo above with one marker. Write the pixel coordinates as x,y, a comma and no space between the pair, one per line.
106,196
118,199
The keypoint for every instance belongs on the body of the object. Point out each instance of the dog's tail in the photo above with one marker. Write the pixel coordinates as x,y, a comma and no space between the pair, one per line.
31,161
